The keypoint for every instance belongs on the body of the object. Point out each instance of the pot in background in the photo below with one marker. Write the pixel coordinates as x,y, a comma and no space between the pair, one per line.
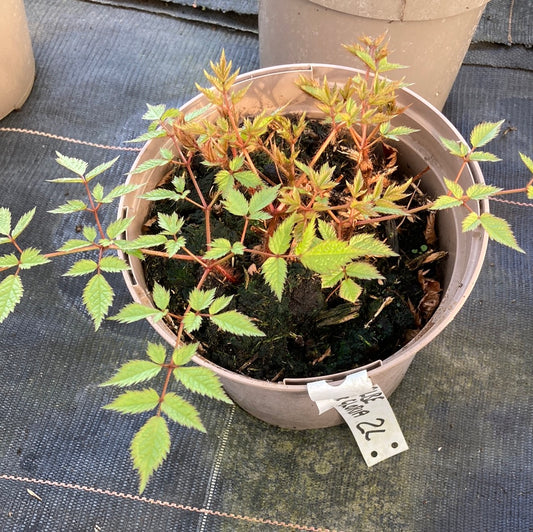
287,404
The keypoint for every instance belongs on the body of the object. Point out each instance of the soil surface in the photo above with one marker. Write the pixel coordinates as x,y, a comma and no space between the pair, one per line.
310,332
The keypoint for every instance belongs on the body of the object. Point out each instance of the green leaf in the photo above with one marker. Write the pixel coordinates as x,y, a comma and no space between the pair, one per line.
219,304
32,257
470,222
69,207
248,179
120,190
154,112
366,58
24,221
201,380
136,312
445,202
280,240
113,264
191,322
161,296
149,135
10,295
98,192
368,245
363,270
396,132
173,246
77,166
89,233
327,256
234,322
144,241
237,248
181,411
261,199
327,231
329,280
170,223
184,353
499,230
274,270
219,248
484,133
5,221
133,372
156,353
236,203
149,164
71,245
201,299
527,161
159,194
9,261
117,227
479,191
350,290
101,168
530,192
149,447
98,297
134,401
82,267
307,238
224,181
456,189
484,156
454,147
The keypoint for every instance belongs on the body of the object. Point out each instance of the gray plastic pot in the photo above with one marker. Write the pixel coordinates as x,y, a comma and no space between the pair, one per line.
287,403
17,65
430,37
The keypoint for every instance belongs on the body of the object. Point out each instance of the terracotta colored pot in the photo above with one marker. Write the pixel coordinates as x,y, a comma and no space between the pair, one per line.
431,37
17,66
287,404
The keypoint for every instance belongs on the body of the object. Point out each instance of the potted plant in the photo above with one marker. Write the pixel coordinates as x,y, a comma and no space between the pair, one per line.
287,191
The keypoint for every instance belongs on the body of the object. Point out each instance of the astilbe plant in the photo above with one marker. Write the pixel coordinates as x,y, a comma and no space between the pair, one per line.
301,213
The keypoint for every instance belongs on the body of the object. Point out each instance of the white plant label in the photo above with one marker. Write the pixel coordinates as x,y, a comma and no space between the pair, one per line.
367,412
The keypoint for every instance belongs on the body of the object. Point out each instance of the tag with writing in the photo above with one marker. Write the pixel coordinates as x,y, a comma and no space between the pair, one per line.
367,412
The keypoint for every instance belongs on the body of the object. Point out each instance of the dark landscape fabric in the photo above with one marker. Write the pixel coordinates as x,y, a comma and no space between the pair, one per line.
464,406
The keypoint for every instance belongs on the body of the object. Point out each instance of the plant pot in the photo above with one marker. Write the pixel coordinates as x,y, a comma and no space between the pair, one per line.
431,36
287,404
17,66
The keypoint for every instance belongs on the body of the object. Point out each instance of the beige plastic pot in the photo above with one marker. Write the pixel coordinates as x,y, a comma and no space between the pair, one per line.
17,65
287,404
431,37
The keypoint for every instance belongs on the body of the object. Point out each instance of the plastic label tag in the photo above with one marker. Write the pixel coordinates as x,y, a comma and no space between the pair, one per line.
367,412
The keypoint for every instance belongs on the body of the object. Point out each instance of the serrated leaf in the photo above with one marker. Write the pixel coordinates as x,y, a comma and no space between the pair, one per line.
191,322
77,166
133,372
235,202
98,297
9,261
470,222
144,241
362,270
527,161
248,178
184,353
69,207
274,270
454,188
149,165
219,248
237,248
149,447
117,227
71,245
201,380
307,238
350,290
224,181
234,322
445,202
219,303
161,296
156,353
201,299
479,191
98,192
120,190
327,256
149,135
159,194
181,411
484,133
5,221
11,291
262,198
329,280
454,147
484,156
173,246
136,312
32,257
23,222
280,240
113,264
327,231
530,192
170,223
101,168
499,230
82,267
134,401
89,233
396,132
154,112
368,245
